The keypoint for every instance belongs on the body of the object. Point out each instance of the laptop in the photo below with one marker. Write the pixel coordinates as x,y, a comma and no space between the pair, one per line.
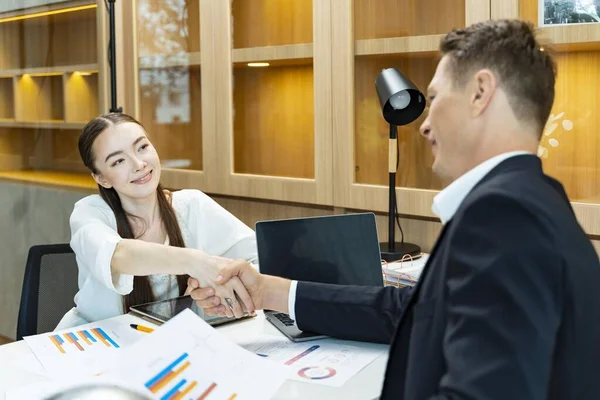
338,249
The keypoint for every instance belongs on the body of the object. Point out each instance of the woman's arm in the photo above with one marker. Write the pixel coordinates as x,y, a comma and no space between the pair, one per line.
114,261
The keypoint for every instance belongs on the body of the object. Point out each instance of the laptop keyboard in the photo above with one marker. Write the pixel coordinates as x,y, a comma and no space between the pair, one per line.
284,318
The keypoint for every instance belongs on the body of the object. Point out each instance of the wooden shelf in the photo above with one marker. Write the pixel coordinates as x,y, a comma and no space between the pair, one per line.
273,53
50,70
48,124
427,45
584,37
50,178
169,61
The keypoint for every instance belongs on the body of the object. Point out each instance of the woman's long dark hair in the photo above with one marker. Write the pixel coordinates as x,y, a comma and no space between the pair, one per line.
142,291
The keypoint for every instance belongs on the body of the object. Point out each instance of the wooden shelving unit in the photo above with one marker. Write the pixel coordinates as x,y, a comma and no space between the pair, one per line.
279,130
51,84
308,128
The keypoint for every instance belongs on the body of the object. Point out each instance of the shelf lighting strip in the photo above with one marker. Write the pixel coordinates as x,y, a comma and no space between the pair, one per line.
46,13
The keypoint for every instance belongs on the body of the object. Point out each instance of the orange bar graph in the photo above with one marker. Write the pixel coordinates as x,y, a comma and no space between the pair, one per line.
85,339
58,346
207,392
100,337
168,378
233,396
70,339
186,391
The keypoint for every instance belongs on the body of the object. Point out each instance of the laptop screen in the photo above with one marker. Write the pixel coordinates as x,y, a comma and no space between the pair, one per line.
340,249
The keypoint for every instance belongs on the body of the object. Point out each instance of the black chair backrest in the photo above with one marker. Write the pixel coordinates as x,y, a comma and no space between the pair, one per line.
49,286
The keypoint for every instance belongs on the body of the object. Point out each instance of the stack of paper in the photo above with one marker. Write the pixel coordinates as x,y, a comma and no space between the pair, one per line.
184,358
404,273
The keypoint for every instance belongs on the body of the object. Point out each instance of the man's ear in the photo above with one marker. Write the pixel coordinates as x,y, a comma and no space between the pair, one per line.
484,88
101,181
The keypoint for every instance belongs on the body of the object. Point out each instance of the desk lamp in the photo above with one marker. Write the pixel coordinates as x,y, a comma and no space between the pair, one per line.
401,103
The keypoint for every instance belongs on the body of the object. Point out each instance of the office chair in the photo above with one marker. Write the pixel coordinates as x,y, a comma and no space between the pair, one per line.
49,286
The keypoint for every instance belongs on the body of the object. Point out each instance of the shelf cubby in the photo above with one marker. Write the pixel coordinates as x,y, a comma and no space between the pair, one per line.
260,23
81,96
170,110
39,98
167,28
7,101
399,18
274,121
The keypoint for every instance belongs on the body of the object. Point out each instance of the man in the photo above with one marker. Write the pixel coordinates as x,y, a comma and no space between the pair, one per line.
508,306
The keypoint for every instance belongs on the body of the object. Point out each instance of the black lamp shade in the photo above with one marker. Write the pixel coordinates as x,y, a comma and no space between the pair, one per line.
401,101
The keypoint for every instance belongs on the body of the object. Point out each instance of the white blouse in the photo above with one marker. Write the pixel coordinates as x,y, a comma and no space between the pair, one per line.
205,225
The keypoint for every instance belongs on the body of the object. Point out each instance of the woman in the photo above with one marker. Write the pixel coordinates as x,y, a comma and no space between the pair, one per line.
136,242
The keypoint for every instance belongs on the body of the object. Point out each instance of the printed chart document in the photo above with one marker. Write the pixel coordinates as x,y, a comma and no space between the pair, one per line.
82,351
187,358
323,362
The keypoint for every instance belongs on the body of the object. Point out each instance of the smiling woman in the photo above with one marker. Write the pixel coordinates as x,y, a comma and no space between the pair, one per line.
136,242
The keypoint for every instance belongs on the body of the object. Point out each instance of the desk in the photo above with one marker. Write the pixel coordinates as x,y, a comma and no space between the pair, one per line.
17,362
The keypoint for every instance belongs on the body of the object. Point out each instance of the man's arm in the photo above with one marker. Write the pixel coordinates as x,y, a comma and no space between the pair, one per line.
362,313
504,304
347,312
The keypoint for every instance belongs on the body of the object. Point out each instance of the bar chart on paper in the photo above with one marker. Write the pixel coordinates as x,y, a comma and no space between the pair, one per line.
82,340
180,379
81,350
188,359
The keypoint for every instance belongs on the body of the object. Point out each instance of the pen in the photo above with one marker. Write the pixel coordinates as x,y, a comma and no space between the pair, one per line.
141,328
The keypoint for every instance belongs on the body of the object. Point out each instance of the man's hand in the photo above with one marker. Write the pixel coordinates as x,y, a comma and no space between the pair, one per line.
253,281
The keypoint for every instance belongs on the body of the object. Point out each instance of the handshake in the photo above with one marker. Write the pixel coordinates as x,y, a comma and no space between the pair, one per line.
239,288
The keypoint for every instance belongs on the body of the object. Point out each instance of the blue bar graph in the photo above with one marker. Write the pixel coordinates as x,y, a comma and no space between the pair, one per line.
108,338
171,392
165,371
60,340
90,336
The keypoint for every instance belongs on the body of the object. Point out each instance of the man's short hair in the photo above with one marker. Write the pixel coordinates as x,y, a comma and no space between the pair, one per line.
524,69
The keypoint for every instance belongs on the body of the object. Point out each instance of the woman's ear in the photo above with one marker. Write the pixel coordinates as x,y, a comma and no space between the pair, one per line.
101,181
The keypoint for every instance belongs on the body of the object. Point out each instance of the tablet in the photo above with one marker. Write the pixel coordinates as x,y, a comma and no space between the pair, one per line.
161,311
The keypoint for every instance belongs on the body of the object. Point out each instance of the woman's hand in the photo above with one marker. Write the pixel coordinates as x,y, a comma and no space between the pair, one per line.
232,295
254,283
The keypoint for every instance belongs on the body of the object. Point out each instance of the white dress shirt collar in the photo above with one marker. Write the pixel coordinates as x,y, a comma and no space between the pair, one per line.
448,200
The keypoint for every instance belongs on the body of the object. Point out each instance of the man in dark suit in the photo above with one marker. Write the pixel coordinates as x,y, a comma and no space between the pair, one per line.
508,305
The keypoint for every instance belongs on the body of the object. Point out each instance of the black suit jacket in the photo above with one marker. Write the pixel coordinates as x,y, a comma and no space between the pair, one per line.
507,307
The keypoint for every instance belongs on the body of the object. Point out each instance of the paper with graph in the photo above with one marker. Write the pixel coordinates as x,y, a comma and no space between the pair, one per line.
82,351
187,358
324,362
